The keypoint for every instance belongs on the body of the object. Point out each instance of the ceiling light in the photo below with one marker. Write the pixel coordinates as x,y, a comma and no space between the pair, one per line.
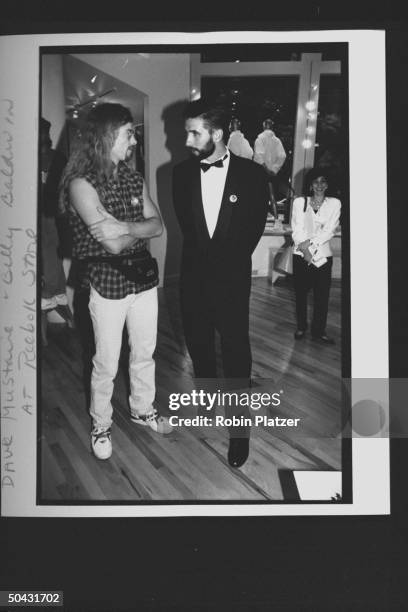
310,105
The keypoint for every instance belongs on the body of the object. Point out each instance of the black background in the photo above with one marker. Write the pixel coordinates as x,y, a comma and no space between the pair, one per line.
272,563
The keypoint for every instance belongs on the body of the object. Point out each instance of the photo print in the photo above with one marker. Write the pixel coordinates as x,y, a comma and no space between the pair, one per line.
191,383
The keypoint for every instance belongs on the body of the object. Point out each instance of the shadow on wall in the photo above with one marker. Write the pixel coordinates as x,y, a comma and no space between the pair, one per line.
175,139
175,144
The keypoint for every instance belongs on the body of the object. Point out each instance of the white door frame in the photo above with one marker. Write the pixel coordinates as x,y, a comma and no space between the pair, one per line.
308,69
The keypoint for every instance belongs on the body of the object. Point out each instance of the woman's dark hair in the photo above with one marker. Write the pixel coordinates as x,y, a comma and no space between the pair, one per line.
313,174
92,155
213,116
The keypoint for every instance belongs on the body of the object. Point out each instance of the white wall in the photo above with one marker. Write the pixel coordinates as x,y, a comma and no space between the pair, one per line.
165,79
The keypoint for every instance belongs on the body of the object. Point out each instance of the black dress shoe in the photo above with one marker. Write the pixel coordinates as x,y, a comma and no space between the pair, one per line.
323,339
238,451
299,334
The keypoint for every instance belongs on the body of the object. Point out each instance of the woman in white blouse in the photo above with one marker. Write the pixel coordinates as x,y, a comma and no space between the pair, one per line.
315,218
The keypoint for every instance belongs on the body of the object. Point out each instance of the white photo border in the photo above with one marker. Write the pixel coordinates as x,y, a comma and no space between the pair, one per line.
19,76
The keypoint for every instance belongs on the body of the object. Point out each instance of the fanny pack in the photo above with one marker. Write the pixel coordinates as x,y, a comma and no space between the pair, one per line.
136,267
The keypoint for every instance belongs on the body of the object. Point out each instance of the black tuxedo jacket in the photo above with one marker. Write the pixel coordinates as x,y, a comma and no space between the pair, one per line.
222,262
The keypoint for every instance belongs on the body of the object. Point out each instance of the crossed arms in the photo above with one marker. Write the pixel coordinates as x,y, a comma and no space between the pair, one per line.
114,235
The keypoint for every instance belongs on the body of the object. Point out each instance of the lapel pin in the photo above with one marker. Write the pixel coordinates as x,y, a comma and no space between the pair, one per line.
134,201
233,198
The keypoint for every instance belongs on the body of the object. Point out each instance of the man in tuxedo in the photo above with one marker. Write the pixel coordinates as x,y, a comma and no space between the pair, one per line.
221,203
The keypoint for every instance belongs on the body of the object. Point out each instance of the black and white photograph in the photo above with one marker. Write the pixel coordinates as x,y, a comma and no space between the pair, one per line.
285,110
203,328
195,281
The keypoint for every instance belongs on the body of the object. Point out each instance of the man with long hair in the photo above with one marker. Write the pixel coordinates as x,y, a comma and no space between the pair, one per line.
221,203
112,216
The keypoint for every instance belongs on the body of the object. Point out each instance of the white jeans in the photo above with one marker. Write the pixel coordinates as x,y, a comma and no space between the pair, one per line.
108,318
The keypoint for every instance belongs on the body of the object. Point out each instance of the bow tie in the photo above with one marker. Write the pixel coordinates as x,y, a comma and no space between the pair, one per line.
217,164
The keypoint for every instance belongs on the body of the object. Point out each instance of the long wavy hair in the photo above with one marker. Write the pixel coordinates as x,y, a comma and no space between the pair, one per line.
92,153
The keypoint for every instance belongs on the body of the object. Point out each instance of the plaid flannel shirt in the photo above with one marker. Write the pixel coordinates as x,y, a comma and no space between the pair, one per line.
116,197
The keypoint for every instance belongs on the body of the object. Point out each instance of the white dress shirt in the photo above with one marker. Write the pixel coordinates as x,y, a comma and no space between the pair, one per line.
318,227
238,144
268,150
212,189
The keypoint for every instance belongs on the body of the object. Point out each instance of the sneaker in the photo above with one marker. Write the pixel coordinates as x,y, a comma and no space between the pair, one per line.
151,419
101,442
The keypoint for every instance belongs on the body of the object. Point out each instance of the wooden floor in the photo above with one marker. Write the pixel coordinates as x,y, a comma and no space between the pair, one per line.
190,463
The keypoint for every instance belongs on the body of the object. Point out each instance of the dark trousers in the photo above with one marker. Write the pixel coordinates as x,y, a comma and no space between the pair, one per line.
204,314
202,318
319,279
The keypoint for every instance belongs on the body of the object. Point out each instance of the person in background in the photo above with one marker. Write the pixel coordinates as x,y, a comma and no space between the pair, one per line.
315,217
269,153
113,216
53,282
237,143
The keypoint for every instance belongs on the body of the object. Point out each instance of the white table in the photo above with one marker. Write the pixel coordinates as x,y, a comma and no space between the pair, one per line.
273,240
